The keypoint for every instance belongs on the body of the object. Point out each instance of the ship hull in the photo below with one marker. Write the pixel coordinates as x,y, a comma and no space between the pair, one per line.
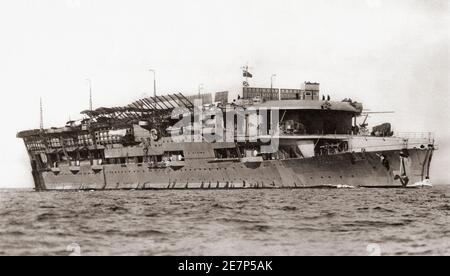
342,170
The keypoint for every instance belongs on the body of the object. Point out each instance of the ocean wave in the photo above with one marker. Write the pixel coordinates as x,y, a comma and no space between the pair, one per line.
257,228
383,210
116,208
144,233
378,224
238,220
289,208
46,216
221,206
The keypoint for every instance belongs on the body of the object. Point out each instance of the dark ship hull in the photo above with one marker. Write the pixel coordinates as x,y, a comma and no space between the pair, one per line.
363,169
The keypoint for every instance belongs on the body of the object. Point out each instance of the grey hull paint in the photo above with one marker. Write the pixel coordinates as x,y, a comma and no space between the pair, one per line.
354,169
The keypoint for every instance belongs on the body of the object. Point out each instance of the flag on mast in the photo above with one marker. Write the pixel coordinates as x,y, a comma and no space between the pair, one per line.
247,74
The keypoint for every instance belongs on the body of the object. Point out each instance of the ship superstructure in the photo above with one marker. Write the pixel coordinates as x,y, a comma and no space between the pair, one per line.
265,138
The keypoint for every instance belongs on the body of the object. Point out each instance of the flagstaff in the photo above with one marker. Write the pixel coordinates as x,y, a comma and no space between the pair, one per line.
154,81
90,93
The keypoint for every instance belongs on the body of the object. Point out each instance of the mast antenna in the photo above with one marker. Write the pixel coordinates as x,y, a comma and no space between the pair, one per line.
90,93
41,115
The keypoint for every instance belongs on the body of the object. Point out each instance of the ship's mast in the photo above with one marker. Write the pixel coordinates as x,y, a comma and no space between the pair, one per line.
200,88
90,98
41,115
90,93
154,81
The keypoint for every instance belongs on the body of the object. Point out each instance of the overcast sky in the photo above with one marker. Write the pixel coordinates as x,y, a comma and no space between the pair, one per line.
390,55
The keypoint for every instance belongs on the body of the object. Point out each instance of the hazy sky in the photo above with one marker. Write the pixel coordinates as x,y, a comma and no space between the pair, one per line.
390,55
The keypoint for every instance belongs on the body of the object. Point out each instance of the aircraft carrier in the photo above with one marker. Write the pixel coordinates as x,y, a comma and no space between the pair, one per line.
264,138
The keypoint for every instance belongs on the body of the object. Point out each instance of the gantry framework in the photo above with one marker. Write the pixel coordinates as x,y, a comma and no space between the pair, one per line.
142,109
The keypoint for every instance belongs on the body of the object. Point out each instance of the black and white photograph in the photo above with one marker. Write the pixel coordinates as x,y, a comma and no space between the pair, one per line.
242,130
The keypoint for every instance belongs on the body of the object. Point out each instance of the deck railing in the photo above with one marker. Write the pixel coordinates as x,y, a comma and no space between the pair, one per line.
428,136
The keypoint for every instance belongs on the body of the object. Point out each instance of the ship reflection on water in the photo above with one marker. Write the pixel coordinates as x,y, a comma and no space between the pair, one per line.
227,222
